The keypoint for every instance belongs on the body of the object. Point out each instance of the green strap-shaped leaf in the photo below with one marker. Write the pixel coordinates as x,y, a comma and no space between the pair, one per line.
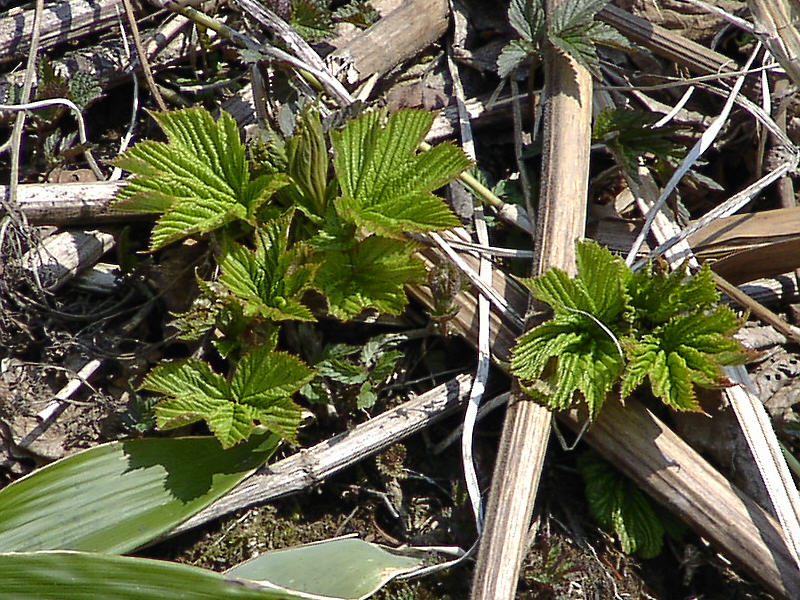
339,569
119,496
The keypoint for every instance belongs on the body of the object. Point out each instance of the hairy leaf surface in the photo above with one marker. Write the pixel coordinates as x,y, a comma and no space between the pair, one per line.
573,30
370,275
619,506
386,185
268,279
199,180
258,391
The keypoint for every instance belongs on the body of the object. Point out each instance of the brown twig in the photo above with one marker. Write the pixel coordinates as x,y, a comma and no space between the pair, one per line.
137,41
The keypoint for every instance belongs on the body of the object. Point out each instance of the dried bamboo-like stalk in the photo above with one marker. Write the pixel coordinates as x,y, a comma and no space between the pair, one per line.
62,21
567,101
777,25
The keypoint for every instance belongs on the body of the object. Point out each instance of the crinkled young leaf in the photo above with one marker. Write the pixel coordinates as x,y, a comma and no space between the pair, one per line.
658,296
619,506
259,390
599,288
371,275
576,351
570,354
527,19
307,158
385,183
268,279
572,29
688,350
198,179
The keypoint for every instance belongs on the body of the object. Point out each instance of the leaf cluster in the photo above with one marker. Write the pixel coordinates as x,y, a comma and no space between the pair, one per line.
611,326
315,216
571,28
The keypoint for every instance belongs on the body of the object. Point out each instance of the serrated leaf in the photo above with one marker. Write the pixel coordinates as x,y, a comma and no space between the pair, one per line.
513,55
311,19
630,134
579,356
360,13
268,279
571,29
371,275
578,349
576,43
658,296
385,183
619,506
527,19
259,390
599,288
199,179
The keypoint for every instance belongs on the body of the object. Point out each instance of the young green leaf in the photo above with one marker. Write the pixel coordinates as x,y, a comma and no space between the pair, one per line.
199,180
527,19
578,349
573,30
370,275
258,391
630,134
657,295
687,350
619,506
307,159
311,19
386,185
269,280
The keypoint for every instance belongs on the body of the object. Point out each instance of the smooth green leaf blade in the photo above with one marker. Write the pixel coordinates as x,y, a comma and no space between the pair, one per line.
88,576
118,496
340,568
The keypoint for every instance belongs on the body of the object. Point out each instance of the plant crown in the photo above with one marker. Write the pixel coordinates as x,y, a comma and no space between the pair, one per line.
312,214
611,326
